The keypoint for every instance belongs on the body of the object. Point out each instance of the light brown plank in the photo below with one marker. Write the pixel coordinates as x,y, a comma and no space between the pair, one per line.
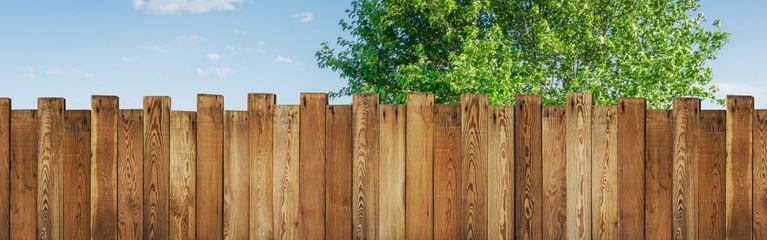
500,173
711,155
604,181
77,163
760,174
156,167
103,218
528,167
338,200
392,172
5,168
24,174
631,167
554,173
312,165
685,200
49,167
419,186
365,127
658,180
210,166
578,117
286,185
447,171
474,166
183,172
740,113
130,175
261,115
236,177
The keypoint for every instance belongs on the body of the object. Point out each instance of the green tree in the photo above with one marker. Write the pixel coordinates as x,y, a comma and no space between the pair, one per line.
655,49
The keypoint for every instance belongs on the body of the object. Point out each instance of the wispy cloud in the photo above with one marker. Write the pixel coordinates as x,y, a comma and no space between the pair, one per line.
53,72
219,72
283,59
192,39
29,72
171,7
214,56
304,17
82,74
239,32
235,49
154,48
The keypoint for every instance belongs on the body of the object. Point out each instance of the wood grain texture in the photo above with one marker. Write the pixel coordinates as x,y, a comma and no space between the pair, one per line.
156,167
604,195
658,174
103,218
130,175
49,167
312,165
210,166
447,171
77,163
419,184
760,174
685,175
365,130
338,200
391,223
740,113
578,119
554,173
236,175
528,167
286,183
474,110
500,173
712,157
183,174
5,168
631,167
261,121
24,142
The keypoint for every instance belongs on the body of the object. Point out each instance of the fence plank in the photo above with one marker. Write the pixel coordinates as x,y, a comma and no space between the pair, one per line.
236,177
419,184
528,152
474,166
50,158
658,180
685,202
500,173
183,174
554,173
338,200
760,174
447,171
631,167
77,166
261,118
578,117
286,185
103,218
604,181
5,168
392,172
365,127
740,113
312,165
156,166
130,175
711,155
24,146
210,167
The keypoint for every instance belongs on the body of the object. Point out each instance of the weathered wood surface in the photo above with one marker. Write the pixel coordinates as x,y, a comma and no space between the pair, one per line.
474,111
500,173
740,114
578,110
77,176
631,167
447,169
419,170
604,140
365,130
261,119
103,219
685,169
183,172
312,165
528,162
392,172
554,173
130,175
156,117
338,200
286,169
236,177
658,175
24,139
712,174
50,129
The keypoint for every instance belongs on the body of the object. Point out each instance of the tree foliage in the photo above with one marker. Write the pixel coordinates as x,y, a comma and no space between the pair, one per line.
655,49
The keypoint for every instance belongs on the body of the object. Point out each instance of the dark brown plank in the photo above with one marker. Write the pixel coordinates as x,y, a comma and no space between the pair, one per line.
312,165
261,119
391,222
740,113
474,166
23,174
528,167
130,175
183,172
447,171
685,200
156,166
554,173
658,180
103,218
631,167
5,168
760,174
711,178
49,167
578,119
210,167
286,169
236,175
365,128
338,200
419,162
500,173
77,163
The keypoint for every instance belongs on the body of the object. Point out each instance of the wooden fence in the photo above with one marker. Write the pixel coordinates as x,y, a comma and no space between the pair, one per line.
373,171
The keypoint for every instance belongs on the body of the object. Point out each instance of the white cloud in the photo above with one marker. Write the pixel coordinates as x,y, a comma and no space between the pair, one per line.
304,17
55,71
219,72
283,59
236,49
29,72
192,39
214,56
239,32
201,72
168,7
83,74
154,48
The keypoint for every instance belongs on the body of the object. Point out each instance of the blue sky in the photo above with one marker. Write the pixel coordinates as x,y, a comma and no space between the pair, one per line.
178,48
